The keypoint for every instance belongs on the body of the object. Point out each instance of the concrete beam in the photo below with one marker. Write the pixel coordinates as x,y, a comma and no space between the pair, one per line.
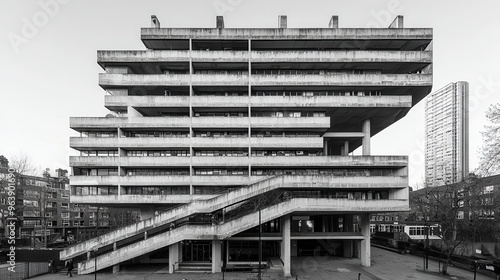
288,34
344,135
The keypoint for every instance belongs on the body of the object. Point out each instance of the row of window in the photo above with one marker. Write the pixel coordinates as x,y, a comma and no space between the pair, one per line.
95,190
244,171
220,171
317,93
180,190
312,72
289,114
171,153
222,153
103,134
145,134
285,153
97,172
156,172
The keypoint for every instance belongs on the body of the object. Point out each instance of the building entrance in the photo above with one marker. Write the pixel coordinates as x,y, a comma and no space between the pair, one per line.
197,251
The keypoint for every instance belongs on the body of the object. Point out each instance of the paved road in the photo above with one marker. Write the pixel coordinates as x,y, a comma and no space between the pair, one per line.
386,265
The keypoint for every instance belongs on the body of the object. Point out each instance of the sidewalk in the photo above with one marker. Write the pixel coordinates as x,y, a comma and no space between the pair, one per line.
386,265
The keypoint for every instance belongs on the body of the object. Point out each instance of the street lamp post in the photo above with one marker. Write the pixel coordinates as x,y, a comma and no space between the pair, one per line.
260,243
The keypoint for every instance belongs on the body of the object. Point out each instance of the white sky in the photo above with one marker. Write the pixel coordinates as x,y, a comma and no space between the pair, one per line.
48,69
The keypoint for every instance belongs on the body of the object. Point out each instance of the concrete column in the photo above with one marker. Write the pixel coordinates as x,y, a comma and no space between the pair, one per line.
346,148
365,243
366,138
325,147
116,267
173,257
285,246
216,256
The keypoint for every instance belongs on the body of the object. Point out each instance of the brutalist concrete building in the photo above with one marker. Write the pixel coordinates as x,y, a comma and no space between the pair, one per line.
237,143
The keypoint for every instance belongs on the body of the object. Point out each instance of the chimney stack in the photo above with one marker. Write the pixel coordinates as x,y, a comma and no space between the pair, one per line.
155,23
219,22
397,22
334,22
281,21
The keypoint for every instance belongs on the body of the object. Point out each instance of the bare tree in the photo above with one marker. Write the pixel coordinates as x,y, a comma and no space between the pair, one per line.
23,164
490,152
462,211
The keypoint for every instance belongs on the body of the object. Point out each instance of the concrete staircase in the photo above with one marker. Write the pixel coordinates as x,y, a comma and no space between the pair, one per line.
212,204
194,267
230,228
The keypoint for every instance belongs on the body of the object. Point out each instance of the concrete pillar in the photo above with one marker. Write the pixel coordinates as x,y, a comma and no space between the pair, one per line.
366,137
365,243
282,21
334,22
325,147
173,257
116,268
285,246
346,148
216,256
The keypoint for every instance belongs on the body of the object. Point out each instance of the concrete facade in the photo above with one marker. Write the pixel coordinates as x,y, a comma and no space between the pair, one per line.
447,135
210,127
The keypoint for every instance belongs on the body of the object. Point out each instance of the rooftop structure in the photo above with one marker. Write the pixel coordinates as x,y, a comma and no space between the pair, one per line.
215,131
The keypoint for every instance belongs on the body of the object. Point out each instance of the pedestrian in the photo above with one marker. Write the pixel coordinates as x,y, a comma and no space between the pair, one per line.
69,266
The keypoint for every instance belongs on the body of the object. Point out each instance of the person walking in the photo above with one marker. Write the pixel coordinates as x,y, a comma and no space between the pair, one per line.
69,266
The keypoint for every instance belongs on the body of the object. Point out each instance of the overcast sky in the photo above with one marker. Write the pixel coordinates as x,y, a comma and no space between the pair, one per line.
48,69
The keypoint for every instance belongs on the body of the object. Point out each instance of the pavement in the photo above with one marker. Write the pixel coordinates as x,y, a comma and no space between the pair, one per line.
386,265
